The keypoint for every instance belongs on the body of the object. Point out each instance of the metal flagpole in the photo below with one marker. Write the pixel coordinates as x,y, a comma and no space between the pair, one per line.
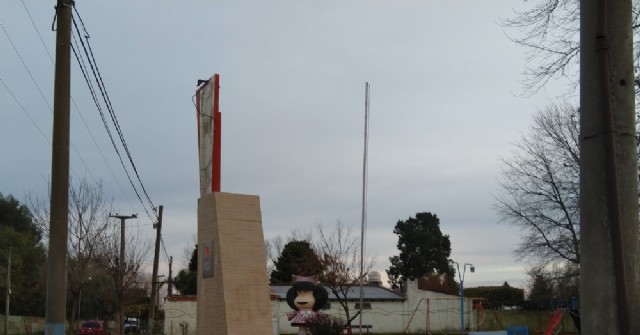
364,200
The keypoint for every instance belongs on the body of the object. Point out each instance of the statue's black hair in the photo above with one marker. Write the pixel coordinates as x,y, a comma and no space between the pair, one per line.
319,294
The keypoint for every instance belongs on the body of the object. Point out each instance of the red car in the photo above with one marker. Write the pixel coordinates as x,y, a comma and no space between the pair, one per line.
93,327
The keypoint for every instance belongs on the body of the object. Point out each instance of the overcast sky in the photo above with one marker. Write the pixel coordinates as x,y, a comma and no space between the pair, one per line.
446,107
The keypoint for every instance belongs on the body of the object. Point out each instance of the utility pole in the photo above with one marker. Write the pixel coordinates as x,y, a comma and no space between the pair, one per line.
158,290
609,260
8,297
170,279
56,309
121,270
154,275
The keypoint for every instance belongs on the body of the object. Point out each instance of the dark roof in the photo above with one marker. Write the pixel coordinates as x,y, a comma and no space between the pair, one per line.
370,293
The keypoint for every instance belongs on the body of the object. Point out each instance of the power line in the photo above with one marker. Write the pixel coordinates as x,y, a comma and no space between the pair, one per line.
46,101
37,31
6,33
25,111
101,86
86,47
110,108
164,248
129,226
96,101
76,108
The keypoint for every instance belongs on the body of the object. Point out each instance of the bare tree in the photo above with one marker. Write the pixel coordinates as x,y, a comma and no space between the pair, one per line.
559,282
551,32
340,253
137,252
273,248
541,185
93,246
187,252
87,227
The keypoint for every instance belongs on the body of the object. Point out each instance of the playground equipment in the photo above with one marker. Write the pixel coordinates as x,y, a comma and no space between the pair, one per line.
554,321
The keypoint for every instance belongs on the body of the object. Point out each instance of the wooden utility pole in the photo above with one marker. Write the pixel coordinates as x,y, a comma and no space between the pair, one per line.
56,309
154,275
121,271
609,262
170,279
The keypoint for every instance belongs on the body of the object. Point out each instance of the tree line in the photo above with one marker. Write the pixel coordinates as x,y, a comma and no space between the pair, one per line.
332,255
93,263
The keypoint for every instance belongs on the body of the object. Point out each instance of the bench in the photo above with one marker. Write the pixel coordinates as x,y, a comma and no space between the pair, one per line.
349,329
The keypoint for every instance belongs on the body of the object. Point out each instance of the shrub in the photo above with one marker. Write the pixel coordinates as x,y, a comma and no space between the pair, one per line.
324,324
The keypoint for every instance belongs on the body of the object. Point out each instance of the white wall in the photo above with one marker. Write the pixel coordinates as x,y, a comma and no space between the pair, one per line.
443,310
385,316
180,316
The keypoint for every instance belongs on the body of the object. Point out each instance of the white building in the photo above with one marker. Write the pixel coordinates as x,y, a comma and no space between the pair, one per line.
180,315
386,311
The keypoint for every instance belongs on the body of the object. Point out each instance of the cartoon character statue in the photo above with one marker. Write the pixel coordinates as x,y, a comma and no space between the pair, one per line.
306,297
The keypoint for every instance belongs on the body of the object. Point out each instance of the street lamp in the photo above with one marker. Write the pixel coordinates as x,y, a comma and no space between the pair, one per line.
80,299
461,278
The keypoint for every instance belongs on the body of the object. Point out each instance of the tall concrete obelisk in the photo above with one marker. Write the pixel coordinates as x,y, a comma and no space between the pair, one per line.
233,287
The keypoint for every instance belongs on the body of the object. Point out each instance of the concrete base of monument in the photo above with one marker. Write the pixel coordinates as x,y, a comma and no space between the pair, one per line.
233,287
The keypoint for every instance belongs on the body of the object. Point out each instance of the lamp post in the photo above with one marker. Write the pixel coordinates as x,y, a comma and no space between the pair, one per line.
80,300
461,278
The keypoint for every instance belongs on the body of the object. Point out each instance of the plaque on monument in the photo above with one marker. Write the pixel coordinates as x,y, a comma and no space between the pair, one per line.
207,260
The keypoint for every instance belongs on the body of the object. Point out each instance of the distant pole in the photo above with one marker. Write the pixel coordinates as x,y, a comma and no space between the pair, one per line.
154,275
56,307
121,270
609,250
461,278
79,305
363,225
462,327
170,280
462,306
8,297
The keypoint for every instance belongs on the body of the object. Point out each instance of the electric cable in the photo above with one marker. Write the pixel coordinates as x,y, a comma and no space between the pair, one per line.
6,33
46,101
79,114
96,101
25,111
36,28
164,248
97,75
100,83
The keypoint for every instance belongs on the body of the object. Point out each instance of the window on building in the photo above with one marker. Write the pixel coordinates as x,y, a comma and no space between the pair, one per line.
366,305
